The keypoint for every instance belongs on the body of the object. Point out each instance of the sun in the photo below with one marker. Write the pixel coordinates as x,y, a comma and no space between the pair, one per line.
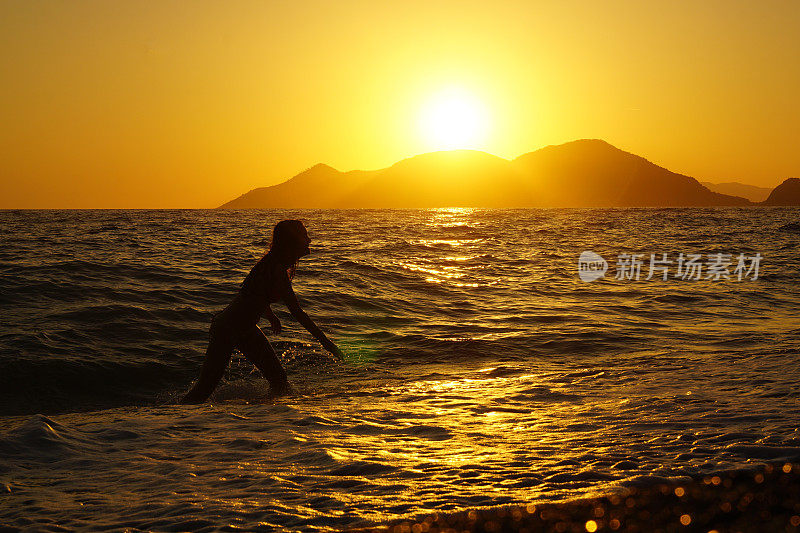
454,119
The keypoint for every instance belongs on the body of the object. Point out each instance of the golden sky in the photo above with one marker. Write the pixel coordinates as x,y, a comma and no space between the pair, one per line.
189,104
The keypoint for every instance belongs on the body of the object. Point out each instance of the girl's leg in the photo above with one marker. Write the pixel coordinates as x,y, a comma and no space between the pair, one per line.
255,346
218,355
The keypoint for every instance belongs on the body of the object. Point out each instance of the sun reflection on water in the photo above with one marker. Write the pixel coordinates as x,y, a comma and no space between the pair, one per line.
445,230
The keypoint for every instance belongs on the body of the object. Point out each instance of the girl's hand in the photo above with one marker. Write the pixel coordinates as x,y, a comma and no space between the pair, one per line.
337,353
275,324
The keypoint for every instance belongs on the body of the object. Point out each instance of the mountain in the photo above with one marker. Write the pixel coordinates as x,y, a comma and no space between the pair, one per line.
593,173
319,186
751,192
583,173
458,178
787,193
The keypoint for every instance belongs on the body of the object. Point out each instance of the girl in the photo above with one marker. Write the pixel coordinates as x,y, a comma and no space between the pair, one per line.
235,326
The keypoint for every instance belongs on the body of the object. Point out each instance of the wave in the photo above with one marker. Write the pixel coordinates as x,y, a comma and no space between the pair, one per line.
105,308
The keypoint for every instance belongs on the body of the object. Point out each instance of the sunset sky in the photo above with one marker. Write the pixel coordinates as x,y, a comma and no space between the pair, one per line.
115,104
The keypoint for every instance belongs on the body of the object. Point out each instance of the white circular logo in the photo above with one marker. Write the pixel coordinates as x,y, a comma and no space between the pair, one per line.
591,266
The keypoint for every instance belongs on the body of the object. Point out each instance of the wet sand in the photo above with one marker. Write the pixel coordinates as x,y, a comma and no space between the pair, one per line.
762,500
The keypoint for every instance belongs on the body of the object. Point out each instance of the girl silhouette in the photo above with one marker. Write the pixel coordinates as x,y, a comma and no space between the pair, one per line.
235,326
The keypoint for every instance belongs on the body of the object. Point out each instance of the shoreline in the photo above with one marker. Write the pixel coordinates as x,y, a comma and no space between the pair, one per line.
746,500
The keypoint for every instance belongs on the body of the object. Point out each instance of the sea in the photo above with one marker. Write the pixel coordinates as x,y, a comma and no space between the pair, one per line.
480,368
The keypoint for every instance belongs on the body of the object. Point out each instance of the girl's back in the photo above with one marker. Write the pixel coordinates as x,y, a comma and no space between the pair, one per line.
262,286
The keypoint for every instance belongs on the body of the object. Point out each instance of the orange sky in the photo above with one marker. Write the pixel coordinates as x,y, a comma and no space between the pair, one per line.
189,104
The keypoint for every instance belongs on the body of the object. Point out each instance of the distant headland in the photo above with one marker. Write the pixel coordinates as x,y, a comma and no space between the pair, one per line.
582,173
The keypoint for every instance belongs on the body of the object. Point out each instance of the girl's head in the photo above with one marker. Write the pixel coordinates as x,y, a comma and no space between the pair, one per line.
290,242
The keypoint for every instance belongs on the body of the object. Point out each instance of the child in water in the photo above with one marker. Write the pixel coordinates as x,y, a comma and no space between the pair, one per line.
269,281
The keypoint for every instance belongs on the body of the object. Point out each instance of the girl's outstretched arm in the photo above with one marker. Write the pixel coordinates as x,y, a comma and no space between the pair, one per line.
294,307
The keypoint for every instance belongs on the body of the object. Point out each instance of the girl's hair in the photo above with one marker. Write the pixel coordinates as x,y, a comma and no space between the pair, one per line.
284,241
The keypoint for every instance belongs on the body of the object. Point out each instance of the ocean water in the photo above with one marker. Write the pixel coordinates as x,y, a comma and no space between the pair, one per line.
480,370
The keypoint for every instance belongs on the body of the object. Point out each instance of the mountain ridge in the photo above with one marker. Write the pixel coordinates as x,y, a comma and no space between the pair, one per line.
785,194
753,193
580,173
